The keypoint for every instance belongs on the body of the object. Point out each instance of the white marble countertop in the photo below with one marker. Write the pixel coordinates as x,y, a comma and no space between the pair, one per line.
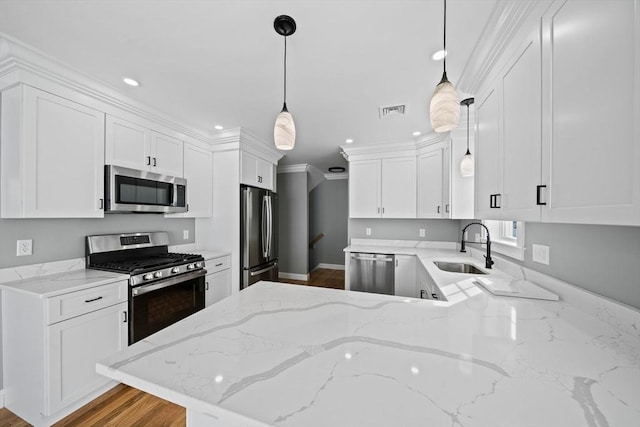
210,254
288,355
61,283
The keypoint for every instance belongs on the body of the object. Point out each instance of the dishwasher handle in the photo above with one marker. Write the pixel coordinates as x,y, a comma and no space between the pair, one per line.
371,259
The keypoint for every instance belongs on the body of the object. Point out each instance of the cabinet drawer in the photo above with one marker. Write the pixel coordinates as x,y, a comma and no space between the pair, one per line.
218,264
73,304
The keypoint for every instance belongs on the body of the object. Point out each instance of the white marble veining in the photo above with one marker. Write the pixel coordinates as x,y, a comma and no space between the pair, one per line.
283,355
43,269
624,318
62,283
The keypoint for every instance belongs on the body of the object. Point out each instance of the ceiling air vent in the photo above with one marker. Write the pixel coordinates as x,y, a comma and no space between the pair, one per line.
392,111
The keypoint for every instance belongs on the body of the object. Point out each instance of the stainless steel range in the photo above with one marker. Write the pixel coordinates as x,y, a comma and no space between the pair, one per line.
164,287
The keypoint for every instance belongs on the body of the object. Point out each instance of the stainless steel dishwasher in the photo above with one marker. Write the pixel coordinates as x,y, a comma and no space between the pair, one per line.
372,273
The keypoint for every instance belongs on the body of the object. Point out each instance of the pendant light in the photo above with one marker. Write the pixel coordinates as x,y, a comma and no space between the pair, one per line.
444,110
466,165
284,132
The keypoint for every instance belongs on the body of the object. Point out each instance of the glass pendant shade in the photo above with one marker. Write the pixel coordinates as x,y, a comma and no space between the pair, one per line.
445,108
466,165
284,132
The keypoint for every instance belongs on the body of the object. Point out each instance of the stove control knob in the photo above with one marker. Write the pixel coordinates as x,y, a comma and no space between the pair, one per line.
147,276
191,266
198,264
157,274
175,270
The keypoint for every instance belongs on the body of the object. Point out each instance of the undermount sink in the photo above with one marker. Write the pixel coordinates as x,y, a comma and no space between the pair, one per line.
458,267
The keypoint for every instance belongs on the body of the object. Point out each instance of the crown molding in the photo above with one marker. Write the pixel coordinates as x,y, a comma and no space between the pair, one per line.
21,63
293,168
505,21
335,176
242,139
387,150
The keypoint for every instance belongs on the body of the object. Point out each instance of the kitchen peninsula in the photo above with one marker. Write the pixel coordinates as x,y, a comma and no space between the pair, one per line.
278,354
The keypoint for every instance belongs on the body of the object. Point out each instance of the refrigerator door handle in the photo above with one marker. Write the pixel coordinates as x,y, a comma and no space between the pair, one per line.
270,219
264,224
264,270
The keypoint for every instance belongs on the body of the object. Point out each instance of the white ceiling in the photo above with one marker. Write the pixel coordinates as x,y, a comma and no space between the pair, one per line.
221,62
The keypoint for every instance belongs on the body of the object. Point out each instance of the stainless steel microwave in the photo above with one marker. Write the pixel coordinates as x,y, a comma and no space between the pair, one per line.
132,190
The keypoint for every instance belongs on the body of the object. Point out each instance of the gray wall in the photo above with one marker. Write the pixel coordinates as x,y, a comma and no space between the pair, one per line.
604,259
293,223
328,214
439,230
61,239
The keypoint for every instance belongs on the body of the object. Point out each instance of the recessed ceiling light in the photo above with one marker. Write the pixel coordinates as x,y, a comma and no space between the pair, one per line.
416,133
349,141
130,82
218,127
439,55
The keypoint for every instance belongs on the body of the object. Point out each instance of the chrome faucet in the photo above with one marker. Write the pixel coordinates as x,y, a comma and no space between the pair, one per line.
488,261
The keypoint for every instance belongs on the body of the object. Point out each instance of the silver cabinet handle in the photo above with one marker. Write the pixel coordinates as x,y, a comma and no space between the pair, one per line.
446,209
148,160
218,265
93,299
124,317
206,286
378,210
154,162
372,259
101,203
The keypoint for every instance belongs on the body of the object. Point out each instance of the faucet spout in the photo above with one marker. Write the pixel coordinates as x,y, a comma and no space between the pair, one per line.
488,261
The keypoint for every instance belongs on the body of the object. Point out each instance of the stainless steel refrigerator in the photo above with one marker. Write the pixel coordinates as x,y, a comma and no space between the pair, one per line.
258,235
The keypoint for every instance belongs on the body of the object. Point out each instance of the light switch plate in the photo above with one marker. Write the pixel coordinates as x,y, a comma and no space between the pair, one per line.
422,232
540,254
24,247
368,231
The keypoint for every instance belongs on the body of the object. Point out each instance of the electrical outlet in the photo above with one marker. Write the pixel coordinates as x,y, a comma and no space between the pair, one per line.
368,231
422,232
24,247
540,254
185,234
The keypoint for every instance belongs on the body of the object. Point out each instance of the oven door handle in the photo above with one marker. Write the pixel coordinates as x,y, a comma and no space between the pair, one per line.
141,290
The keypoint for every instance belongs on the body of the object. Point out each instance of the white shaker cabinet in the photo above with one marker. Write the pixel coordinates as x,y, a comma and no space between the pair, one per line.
198,171
135,146
51,345
591,110
430,184
405,276
218,279
256,172
383,188
508,140
52,156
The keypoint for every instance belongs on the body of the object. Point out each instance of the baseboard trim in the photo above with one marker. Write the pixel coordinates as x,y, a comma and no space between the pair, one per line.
329,266
294,276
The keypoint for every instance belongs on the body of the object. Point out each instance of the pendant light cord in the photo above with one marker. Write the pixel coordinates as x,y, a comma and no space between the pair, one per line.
445,38
467,130
285,72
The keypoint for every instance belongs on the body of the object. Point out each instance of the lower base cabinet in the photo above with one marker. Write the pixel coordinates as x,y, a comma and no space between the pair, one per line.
405,276
50,362
218,279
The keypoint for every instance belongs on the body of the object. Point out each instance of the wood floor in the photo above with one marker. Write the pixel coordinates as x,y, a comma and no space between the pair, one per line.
121,406
124,406
321,277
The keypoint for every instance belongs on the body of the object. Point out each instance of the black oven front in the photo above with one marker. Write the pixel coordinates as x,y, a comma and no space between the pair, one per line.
155,306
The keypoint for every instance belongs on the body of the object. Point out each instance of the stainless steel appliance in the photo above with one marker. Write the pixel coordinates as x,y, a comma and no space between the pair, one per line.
164,287
258,235
372,273
132,190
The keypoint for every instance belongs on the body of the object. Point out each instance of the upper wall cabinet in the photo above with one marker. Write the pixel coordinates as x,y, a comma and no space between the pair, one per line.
137,147
383,188
508,143
256,172
52,156
591,110
198,171
557,141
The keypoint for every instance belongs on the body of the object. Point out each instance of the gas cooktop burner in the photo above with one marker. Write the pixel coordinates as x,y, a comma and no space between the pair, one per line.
144,256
